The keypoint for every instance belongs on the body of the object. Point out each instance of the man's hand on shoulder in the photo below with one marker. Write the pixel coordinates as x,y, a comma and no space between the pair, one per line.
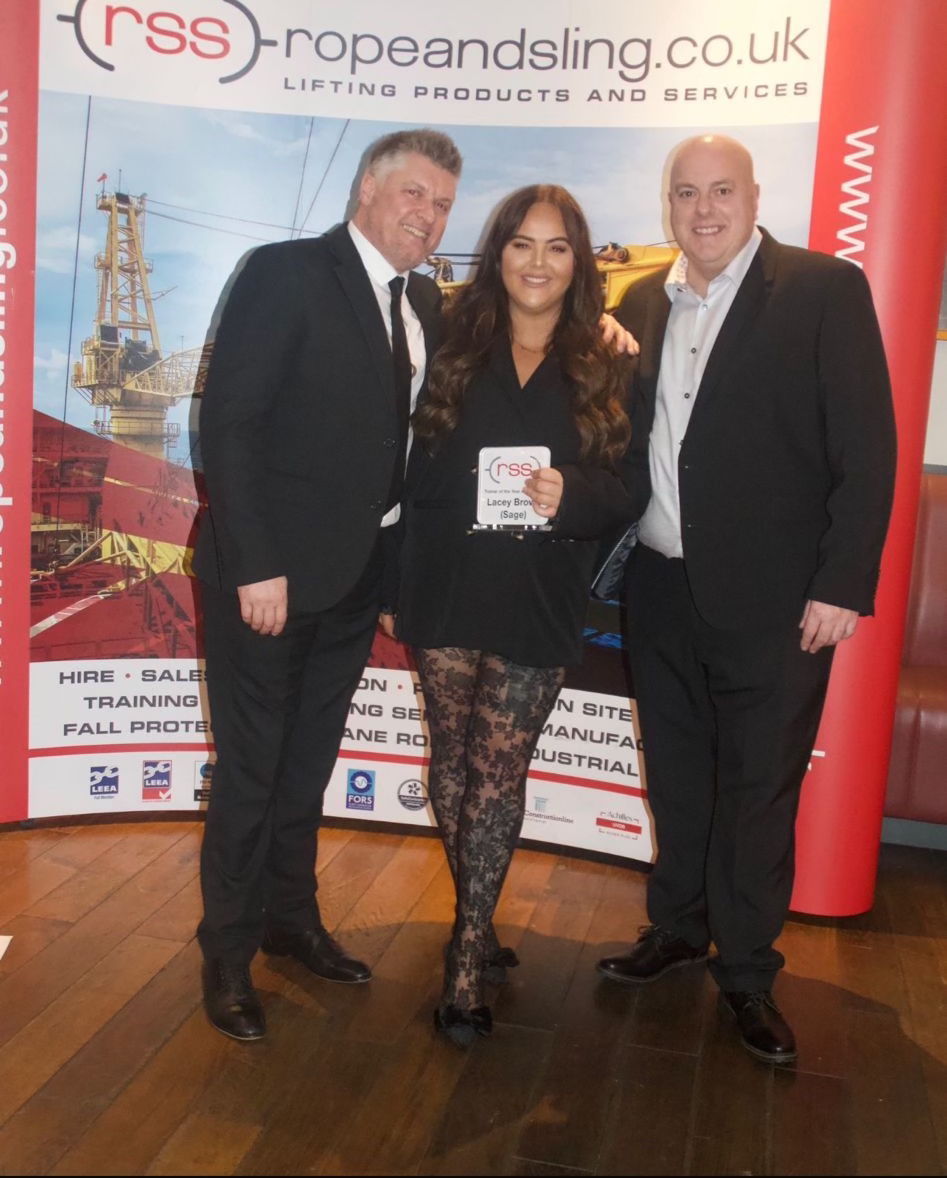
618,338
263,605
826,625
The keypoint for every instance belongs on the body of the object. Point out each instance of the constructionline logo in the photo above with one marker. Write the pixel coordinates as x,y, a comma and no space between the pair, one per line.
224,35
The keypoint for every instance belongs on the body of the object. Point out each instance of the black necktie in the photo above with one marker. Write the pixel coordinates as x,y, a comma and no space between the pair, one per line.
401,359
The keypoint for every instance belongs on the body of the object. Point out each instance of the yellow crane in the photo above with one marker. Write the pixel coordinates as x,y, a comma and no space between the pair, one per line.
122,372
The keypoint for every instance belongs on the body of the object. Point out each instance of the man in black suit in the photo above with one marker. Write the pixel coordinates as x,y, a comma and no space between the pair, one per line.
771,462
304,429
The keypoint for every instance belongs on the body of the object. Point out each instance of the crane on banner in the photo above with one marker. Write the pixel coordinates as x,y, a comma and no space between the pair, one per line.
122,372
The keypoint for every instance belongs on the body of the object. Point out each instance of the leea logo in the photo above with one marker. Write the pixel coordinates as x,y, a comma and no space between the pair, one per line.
360,790
156,781
103,781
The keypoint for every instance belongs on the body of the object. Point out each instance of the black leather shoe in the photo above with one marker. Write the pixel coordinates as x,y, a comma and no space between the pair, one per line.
763,1030
231,1002
463,1026
657,951
319,952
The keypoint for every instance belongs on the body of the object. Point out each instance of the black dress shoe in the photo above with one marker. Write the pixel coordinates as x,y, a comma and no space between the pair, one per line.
231,1002
463,1026
657,951
319,952
763,1030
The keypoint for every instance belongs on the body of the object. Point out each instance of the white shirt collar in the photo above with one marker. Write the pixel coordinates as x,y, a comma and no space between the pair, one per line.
734,272
380,270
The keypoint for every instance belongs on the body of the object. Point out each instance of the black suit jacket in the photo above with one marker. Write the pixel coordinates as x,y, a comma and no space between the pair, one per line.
298,424
786,471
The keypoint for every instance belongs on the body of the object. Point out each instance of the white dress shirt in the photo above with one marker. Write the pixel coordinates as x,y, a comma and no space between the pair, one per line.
381,272
692,329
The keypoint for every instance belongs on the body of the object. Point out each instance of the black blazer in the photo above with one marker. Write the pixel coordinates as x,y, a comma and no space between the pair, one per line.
298,423
523,596
786,472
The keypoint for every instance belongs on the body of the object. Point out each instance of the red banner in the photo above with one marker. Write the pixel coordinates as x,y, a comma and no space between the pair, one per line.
878,200
19,37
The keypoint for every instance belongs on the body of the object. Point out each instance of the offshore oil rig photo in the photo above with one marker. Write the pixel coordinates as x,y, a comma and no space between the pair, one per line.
112,514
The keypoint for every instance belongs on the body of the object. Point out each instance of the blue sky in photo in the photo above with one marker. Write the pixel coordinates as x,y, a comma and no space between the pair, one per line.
226,170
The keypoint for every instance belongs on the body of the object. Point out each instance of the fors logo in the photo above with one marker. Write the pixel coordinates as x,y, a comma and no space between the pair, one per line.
199,31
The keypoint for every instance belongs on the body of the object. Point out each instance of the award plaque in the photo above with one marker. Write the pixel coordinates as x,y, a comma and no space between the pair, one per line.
502,504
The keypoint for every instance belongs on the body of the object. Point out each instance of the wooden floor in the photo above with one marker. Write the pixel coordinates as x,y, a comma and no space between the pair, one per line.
109,1067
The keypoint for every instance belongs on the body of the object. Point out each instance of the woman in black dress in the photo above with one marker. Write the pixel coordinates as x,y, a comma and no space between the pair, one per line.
495,617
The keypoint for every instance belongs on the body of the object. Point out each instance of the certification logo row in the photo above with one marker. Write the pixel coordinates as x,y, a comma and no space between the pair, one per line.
154,780
360,791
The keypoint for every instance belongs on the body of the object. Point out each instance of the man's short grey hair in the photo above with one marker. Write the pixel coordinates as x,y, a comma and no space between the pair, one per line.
439,148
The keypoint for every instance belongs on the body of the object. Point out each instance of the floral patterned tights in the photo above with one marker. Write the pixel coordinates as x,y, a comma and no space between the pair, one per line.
485,715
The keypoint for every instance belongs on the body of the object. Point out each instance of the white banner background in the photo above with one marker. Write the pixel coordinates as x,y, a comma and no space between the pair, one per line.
551,64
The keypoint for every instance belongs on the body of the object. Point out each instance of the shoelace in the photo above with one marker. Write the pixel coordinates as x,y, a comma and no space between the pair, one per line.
757,998
237,976
654,932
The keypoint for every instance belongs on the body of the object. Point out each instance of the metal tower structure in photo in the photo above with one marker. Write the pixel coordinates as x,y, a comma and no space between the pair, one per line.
122,372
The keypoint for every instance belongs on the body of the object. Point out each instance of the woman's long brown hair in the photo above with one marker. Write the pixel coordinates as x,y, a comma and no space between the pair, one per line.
480,313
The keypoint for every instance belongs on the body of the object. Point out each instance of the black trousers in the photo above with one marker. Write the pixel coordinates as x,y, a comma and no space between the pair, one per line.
278,707
728,720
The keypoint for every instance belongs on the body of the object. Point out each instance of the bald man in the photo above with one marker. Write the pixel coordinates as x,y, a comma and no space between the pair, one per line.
771,462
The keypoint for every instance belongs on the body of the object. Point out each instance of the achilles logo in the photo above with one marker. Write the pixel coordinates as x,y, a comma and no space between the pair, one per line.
854,233
222,34
617,822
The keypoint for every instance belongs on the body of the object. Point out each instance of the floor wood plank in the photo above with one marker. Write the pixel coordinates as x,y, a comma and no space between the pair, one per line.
403,1100
205,1144
110,1066
812,1128
89,885
84,844
133,1129
51,1122
30,935
550,948
730,1127
650,1124
891,1123
581,1084
29,990
18,845
44,1045
28,884
495,1091
178,917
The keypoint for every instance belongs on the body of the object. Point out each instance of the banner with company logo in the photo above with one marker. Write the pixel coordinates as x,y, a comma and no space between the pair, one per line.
151,146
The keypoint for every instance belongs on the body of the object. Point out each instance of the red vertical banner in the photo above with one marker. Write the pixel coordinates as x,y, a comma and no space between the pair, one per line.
19,62
878,200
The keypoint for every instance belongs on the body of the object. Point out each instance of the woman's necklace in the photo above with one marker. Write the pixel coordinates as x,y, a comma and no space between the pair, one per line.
526,348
